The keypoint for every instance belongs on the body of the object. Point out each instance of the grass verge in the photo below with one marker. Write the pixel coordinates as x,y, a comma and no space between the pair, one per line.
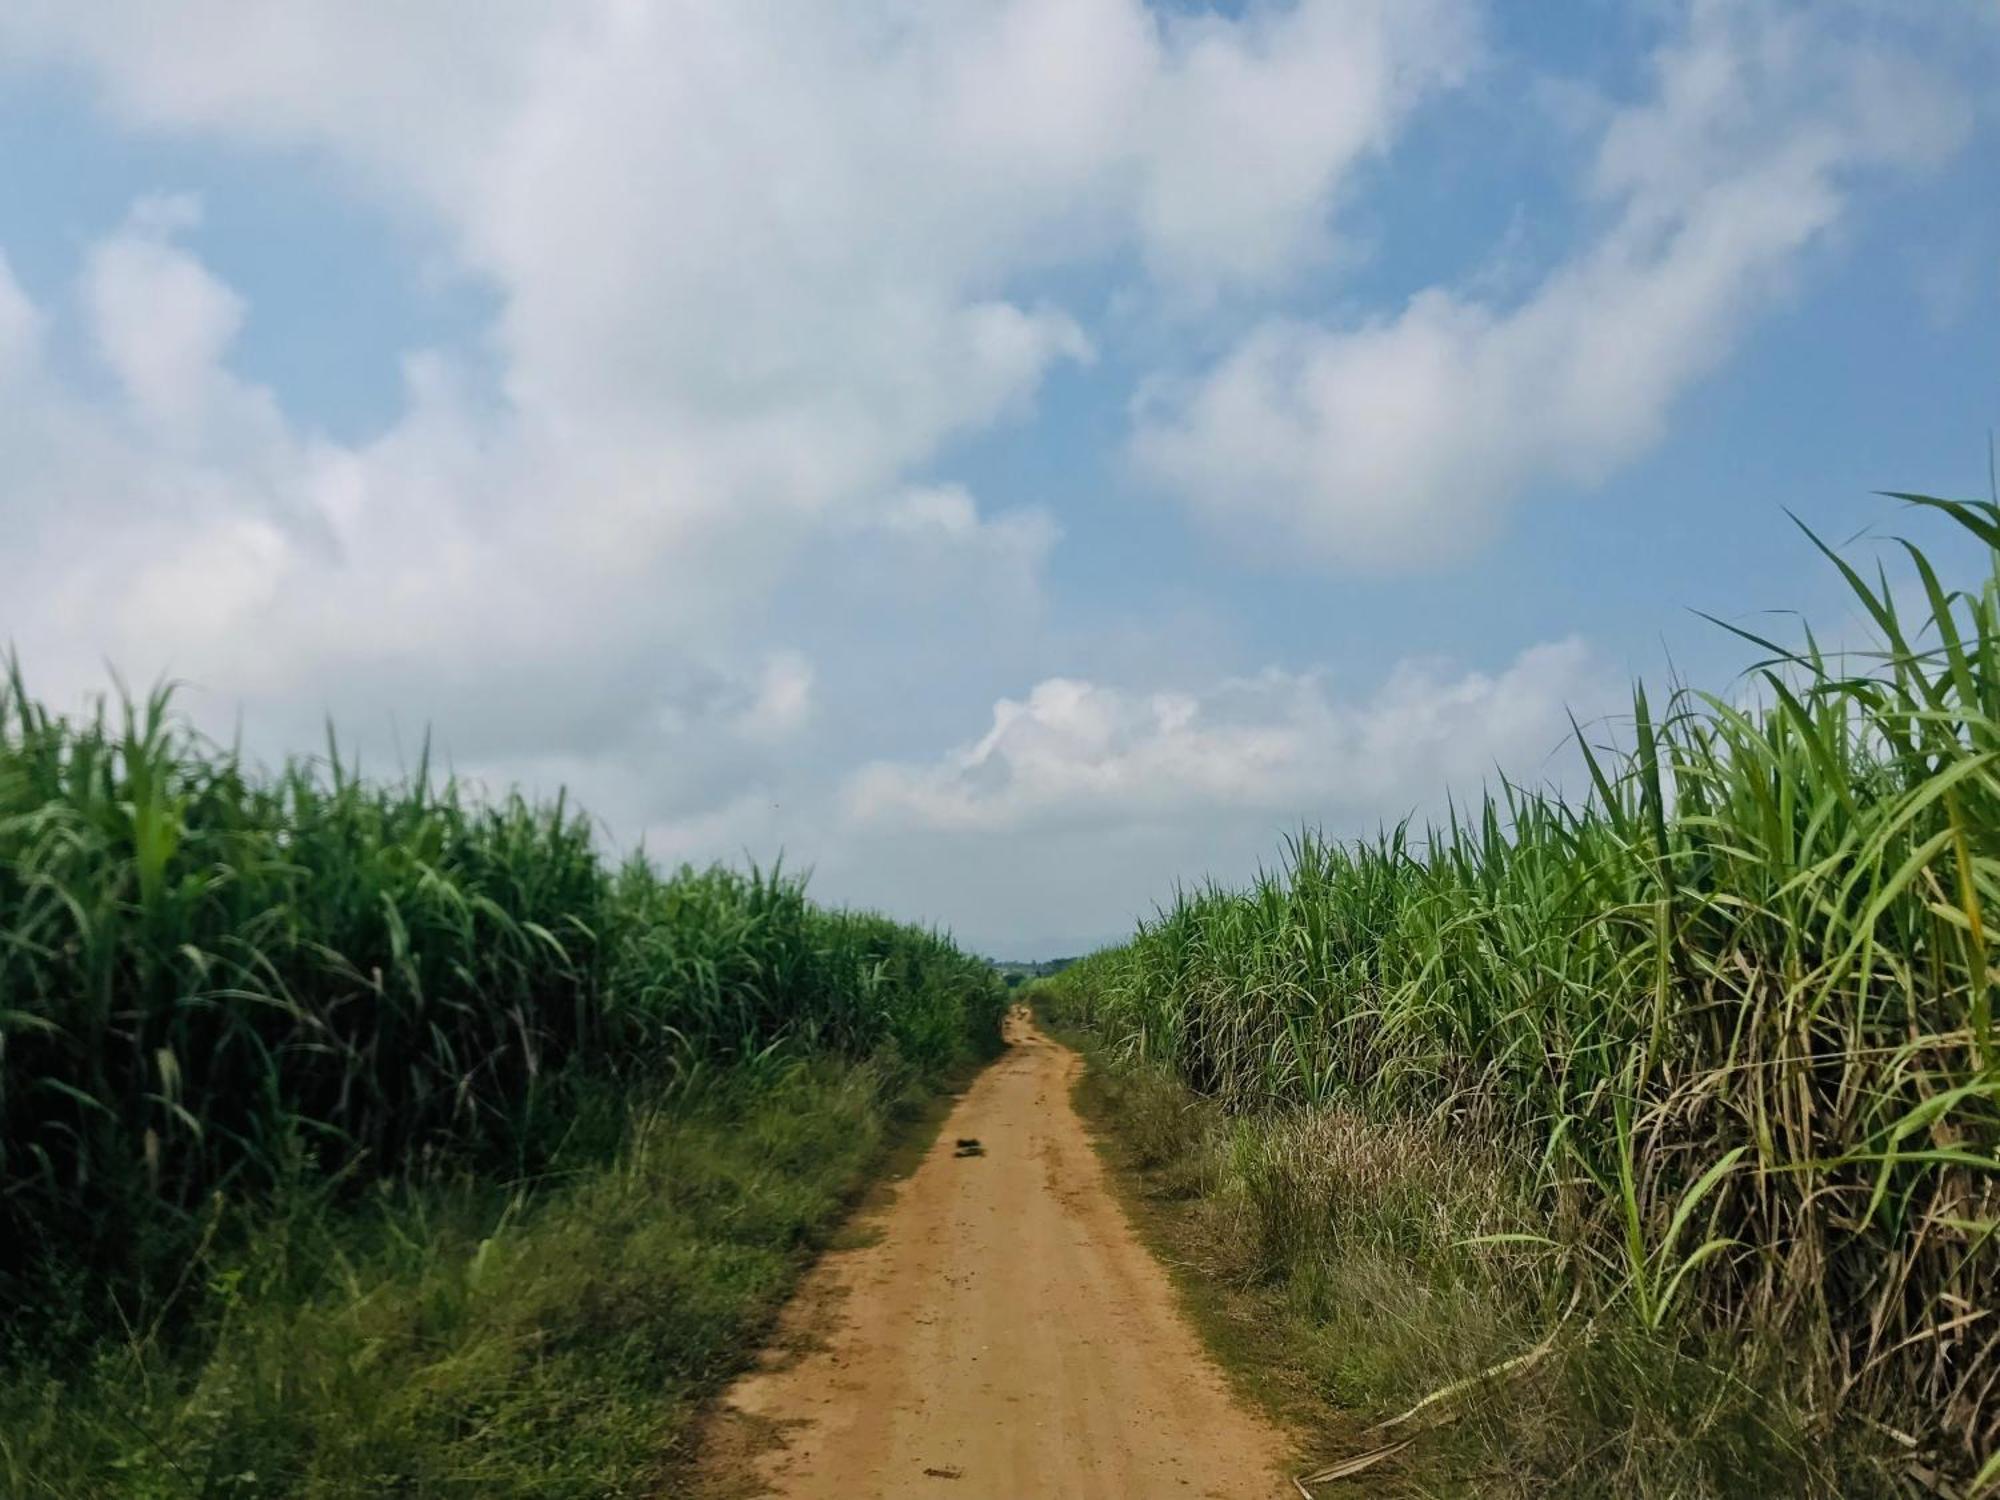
1327,1261
463,1337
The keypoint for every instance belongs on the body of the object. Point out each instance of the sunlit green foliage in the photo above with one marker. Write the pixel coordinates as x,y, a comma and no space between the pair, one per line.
213,982
1738,1003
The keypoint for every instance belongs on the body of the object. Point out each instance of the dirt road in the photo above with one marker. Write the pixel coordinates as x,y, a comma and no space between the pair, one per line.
1004,1335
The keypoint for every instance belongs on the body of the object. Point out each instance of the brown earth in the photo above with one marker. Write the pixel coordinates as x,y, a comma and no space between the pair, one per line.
1004,1335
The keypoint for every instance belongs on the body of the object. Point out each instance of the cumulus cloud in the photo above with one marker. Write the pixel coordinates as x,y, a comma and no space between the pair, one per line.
670,527
1256,121
782,703
753,268
993,132
178,521
161,322
1085,801
1077,754
1401,439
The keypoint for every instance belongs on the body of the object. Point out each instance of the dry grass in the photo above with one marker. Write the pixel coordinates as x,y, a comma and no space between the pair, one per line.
1330,1260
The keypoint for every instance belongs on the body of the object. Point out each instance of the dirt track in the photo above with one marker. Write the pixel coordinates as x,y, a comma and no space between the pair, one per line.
1004,1335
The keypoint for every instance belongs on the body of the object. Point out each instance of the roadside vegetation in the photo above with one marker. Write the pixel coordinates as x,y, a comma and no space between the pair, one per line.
1655,1129
362,1138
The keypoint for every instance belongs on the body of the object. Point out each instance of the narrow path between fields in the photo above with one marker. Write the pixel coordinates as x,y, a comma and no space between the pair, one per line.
1004,1334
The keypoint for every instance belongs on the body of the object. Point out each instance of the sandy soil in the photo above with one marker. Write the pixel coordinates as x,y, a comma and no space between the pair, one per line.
1002,1334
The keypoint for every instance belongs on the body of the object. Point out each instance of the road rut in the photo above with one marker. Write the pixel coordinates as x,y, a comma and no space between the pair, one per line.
1005,1334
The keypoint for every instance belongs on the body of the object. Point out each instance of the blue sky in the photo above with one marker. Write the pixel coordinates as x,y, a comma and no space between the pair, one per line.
1009,456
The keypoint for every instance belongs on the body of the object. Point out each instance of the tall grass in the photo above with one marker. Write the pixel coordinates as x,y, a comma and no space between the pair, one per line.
1737,1003
213,981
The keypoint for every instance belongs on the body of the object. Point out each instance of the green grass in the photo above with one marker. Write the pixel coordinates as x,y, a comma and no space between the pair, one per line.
370,1137
1327,1260
1721,1035
471,1337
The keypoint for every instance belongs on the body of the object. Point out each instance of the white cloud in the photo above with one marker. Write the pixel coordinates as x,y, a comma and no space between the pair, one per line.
1401,439
1218,142
477,574
753,268
670,529
783,700
1080,754
161,321
1258,120
20,327
1085,802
